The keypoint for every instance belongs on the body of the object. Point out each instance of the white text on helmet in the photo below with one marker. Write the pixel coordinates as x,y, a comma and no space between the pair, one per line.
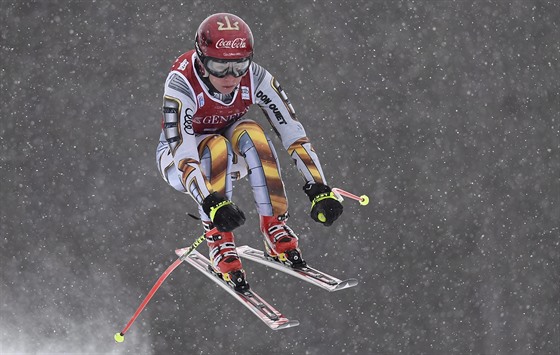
235,43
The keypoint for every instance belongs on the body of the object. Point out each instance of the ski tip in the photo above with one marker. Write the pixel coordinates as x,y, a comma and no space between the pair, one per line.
181,251
345,284
289,324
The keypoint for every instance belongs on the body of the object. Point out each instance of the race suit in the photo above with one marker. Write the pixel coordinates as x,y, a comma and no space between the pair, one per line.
206,142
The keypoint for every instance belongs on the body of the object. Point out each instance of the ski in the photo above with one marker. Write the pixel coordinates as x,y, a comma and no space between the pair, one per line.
262,309
308,274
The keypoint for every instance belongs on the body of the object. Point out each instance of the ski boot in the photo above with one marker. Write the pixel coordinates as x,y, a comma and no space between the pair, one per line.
224,259
281,242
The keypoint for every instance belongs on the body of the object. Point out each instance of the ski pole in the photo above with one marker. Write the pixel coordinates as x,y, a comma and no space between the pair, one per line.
364,200
119,337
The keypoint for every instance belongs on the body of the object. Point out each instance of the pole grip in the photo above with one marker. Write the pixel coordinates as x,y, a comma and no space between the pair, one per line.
363,200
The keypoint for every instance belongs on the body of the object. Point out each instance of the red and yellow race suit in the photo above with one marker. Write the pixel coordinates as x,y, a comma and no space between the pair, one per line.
206,142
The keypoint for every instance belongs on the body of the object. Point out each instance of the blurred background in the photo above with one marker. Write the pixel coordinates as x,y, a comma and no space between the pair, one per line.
446,113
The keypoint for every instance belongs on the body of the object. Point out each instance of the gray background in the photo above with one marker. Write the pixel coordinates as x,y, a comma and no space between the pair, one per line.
444,112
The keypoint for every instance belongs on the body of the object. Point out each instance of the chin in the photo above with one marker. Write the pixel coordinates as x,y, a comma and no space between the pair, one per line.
227,91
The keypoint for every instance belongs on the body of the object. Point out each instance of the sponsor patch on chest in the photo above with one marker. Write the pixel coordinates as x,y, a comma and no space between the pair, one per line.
245,95
183,64
200,99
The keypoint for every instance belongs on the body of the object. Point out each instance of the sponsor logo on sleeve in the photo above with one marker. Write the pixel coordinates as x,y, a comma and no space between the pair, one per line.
267,101
188,122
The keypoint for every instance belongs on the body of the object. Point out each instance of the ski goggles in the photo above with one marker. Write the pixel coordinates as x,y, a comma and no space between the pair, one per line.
220,67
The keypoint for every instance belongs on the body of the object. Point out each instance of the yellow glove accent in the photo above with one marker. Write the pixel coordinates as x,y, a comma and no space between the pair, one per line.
215,209
321,217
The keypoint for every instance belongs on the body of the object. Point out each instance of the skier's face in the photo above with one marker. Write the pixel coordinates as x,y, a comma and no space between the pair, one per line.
226,84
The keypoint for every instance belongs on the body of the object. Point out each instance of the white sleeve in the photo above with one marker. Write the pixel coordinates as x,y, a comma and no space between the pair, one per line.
276,106
179,107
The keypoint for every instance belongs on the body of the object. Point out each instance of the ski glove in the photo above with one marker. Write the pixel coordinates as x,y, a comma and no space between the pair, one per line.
225,215
325,207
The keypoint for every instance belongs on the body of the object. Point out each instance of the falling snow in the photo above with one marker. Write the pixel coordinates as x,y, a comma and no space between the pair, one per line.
446,113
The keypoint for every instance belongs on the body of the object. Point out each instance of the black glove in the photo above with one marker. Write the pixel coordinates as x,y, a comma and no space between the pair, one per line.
325,207
225,215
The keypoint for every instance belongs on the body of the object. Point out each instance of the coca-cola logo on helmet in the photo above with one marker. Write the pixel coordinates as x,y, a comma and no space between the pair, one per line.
231,44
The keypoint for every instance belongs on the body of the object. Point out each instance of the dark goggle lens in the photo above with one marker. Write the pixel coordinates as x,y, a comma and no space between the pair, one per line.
221,68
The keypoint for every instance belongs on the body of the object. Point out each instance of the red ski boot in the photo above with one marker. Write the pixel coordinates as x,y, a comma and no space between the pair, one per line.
224,258
281,242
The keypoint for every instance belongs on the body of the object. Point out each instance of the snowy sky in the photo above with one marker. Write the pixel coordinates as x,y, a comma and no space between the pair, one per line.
444,112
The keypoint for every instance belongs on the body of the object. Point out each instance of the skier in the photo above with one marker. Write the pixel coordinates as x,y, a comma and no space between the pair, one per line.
206,143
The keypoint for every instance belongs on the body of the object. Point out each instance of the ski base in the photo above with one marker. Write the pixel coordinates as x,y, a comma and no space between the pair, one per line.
263,310
308,274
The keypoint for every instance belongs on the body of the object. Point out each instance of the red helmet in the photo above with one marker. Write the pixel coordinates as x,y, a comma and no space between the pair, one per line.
224,36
